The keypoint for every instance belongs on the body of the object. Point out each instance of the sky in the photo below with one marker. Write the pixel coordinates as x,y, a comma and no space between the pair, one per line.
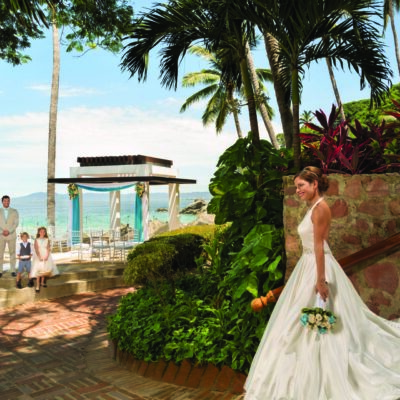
103,112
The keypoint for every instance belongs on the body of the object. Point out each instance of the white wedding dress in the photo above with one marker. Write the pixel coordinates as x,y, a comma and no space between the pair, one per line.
358,360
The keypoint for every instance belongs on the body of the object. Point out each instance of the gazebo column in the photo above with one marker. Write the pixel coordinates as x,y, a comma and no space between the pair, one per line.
146,210
115,210
75,220
173,206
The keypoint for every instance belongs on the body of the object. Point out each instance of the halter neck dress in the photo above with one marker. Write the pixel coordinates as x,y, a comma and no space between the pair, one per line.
358,360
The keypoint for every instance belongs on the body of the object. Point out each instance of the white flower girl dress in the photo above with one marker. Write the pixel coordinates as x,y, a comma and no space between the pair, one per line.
358,360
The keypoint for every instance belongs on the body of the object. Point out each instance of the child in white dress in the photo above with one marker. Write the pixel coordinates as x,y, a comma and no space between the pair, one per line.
43,265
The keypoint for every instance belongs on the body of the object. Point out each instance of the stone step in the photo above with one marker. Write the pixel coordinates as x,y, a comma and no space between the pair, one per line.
8,282
66,284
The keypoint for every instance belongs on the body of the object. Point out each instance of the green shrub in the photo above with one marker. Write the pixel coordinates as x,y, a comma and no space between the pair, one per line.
206,231
162,258
185,327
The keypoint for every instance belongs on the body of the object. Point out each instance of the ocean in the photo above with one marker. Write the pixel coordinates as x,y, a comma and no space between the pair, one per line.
32,209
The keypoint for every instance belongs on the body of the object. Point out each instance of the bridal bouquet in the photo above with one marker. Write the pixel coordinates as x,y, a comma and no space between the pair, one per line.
317,319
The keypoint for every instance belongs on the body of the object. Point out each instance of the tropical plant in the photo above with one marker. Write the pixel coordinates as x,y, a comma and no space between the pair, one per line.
247,194
341,31
222,100
29,8
17,29
362,111
176,26
341,147
162,258
389,7
93,25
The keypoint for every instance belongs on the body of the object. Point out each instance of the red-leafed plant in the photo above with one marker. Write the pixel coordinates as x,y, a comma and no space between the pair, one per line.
338,146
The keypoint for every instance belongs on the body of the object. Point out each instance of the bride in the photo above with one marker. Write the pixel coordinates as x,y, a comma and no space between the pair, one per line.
359,359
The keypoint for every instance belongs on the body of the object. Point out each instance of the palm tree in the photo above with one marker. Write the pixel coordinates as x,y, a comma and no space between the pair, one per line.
91,29
51,146
260,97
282,93
222,101
306,117
179,24
342,31
31,8
388,13
335,88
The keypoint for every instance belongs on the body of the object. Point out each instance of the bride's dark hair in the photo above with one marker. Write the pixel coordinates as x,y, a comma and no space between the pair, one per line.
311,174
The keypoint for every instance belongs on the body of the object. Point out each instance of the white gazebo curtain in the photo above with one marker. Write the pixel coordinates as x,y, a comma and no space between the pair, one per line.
141,207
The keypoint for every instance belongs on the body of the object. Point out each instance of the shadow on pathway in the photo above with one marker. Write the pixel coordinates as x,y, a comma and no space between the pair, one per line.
57,349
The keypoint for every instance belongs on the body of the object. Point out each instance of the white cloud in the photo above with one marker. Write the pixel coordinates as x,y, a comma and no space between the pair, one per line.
82,131
66,91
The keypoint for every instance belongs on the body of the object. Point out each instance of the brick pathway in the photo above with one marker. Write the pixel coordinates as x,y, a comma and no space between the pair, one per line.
58,350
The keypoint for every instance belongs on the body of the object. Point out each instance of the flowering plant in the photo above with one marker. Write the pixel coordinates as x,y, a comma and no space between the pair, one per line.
73,191
317,319
140,189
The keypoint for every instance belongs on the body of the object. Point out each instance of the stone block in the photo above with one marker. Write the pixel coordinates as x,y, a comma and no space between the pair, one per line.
374,208
351,239
379,299
391,227
292,243
361,225
394,207
290,190
289,202
382,276
377,187
339,209
353,189
333,189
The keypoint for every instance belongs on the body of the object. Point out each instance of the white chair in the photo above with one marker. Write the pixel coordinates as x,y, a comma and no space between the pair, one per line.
57,243
121,244
99,245
76,244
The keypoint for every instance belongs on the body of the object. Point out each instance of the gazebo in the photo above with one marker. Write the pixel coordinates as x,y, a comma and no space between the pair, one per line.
115,173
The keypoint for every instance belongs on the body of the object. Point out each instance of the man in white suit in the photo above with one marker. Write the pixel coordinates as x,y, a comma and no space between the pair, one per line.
9,220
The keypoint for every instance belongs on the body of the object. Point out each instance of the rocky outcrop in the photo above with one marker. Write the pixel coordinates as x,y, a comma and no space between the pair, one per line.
198,206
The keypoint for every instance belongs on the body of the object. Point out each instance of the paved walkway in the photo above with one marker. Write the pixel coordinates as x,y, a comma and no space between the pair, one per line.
58,350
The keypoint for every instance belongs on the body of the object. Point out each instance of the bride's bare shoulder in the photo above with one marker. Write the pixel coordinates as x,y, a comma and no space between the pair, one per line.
322,211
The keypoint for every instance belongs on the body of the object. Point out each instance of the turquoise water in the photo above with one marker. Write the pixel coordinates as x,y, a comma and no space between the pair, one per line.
32,209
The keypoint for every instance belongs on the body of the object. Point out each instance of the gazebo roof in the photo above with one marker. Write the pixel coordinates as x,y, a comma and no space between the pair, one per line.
153,180
123,169
123,160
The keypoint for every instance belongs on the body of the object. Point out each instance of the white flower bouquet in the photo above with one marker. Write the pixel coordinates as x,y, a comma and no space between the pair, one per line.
317,319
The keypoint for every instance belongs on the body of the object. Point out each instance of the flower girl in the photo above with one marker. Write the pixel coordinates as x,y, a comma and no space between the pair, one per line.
43,265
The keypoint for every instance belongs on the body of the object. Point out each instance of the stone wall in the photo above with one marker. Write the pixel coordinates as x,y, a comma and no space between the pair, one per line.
365,210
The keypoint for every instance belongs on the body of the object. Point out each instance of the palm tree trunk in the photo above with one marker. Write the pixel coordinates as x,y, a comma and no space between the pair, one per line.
237,123
233,106
251,104
282,98
296,119
51,160
335,88
261,104
396,42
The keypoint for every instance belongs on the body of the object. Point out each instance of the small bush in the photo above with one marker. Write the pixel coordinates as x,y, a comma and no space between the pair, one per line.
206,231
162,258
